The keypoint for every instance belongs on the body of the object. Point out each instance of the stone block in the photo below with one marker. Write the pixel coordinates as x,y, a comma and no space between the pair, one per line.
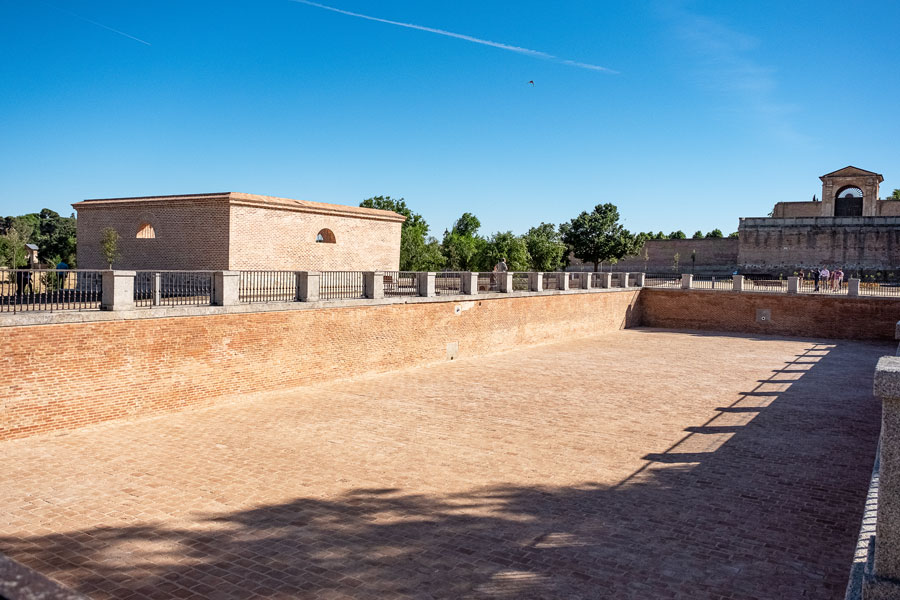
117,290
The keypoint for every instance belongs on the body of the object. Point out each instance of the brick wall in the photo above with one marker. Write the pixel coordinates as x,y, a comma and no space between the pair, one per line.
189,234
57,377
793,315
713,255
266,238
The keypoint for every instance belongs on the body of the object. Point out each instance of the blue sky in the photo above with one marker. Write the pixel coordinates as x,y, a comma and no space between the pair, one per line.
710,110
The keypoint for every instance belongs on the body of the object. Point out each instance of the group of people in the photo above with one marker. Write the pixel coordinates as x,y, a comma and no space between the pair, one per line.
832,279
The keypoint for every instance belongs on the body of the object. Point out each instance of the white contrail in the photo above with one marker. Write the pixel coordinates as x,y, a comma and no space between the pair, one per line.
77,16
459,36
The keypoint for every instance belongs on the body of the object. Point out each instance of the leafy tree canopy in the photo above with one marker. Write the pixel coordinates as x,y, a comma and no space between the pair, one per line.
677,235
698,235
597,236
545,247
505,245
714,234
415,254
895,195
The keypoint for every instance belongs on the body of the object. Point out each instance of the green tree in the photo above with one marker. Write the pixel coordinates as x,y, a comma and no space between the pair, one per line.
698,235
462,247
109,245
714,234
677,235
895,195
545,247
12,249
597,236
415,255
56,238
505,245
734,235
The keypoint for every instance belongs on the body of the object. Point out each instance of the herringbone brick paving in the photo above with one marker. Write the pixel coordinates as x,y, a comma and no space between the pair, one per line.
641,464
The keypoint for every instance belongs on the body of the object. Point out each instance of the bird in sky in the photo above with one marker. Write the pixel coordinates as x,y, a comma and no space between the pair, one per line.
531,82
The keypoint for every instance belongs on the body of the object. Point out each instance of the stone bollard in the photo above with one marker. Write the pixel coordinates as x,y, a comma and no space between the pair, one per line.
307,286
853,287
536,282
469,282
226,288
586,280
117,292
738,283
506,282
425,284
882,579
563,280
639,279
623,279
687,281
605,280
793,285
373,284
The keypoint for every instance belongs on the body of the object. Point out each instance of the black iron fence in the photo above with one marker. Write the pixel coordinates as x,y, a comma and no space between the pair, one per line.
400,283
713,282
664,280
448,283
173,288
267,286
521,282
341,285
552,280
489,282
24,290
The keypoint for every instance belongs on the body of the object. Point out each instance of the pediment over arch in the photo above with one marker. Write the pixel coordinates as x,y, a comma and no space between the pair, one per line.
851,171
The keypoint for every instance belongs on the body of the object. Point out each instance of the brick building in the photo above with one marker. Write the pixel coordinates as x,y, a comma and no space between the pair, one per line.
233,231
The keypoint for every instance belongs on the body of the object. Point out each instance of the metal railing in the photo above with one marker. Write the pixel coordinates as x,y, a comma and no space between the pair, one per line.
576,279
521,282
341,285
764,283
489,282
811,286
267,286
713,282
872,288
24,290
632,279
173,288
448,283
662,280
400,283
551,280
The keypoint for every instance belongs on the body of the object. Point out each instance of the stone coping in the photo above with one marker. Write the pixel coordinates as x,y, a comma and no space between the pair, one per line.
18,582
163,312
816,221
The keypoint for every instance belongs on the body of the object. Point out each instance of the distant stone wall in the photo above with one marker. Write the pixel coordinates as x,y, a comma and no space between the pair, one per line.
853,243
713,256
803,315
267,238
64,376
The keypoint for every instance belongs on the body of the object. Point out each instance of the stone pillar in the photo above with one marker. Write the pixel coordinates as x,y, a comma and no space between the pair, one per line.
469,282
426,284
639,279
373,284
563,280
883,581
506,284
687,281
586,281
117,292
738,282
623,280
605,279
307,286
853,287
536,282
226,286
156,289
793,285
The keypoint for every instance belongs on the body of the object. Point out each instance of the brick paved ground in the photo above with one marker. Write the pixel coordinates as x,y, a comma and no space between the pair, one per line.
642,464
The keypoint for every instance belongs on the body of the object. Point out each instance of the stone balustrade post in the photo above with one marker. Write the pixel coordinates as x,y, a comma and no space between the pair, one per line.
639,279
605,279
623,280
563,280
883,581
425,284
226,288
373,284
793,285
469,282
738,283
307,286
156,289
506,282
853,287
536,282
117,291
687,281
586,281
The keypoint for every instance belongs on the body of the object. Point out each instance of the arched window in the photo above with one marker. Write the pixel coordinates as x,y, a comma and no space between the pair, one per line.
850,192
146,231
326,236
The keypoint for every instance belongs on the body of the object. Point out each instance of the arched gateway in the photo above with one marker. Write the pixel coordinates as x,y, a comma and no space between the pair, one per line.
850,192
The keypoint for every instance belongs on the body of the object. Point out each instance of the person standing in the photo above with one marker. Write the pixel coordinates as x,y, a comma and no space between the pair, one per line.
824,274
815,275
